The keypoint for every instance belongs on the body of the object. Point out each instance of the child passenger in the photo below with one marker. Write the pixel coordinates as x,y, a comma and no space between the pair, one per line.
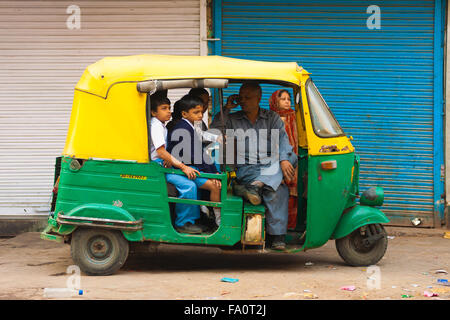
186,215
176,116
280,102
203,94
184,140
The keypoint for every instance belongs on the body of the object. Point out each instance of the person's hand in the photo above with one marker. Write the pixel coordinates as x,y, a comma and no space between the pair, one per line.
217,183
167,164
231,101
287,169
191,173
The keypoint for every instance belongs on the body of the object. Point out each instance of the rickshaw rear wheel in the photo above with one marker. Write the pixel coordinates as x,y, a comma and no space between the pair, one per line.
99,252
363,247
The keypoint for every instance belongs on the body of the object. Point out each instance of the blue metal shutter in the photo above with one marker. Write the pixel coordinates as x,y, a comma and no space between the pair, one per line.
382,85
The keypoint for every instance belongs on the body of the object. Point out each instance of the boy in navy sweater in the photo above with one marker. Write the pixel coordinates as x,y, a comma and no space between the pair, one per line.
185,143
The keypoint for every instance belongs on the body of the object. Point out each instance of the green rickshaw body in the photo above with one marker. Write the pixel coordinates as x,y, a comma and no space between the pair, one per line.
138,193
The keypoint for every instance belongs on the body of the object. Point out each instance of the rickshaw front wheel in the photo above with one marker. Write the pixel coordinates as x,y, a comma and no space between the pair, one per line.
99,252
363,247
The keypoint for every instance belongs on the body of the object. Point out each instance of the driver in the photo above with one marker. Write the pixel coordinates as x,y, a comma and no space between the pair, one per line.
259,181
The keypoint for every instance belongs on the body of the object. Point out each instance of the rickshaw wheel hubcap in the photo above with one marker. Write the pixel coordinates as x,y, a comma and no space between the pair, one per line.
358,243
99,247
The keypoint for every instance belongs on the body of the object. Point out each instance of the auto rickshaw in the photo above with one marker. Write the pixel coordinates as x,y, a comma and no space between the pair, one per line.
109,196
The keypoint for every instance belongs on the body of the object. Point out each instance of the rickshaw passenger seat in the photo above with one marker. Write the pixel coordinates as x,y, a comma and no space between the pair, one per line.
171,190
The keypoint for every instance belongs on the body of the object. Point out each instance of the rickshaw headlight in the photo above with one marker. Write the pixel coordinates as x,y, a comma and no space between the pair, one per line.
372,197
329,165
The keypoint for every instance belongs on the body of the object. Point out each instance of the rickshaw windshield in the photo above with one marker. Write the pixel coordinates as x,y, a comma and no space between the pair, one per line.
324,123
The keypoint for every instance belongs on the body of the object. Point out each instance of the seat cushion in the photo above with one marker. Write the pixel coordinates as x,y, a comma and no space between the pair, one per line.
171,190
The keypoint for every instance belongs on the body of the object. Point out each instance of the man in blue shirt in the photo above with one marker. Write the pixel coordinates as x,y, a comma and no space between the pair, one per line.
265,157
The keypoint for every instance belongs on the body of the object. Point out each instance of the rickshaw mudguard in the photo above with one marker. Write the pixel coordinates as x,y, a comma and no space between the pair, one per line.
357,217
100,216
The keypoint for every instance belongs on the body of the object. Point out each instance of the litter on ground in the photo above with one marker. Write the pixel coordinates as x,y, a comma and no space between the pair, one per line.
441,271
310,296
430,294
232,280
348,288
443,282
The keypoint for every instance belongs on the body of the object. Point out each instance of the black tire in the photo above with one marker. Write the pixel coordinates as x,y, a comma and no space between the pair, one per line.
98,252
353,251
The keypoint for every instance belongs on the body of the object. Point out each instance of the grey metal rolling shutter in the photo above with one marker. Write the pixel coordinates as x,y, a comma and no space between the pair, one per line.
41,60
380,84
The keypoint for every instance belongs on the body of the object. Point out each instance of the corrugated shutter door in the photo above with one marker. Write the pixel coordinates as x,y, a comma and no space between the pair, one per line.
379,83
41,60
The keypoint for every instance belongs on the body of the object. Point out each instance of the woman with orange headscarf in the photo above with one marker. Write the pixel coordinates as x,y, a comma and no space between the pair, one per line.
280,102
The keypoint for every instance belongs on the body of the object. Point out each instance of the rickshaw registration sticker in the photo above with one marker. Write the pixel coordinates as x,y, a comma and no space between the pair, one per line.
130,176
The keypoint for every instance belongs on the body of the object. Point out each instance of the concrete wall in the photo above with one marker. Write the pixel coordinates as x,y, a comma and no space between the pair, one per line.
13,227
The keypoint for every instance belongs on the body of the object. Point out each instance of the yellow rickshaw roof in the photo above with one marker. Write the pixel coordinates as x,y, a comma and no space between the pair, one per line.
101,75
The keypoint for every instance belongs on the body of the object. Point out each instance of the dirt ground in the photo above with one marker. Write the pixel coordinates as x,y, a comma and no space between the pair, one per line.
410,267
